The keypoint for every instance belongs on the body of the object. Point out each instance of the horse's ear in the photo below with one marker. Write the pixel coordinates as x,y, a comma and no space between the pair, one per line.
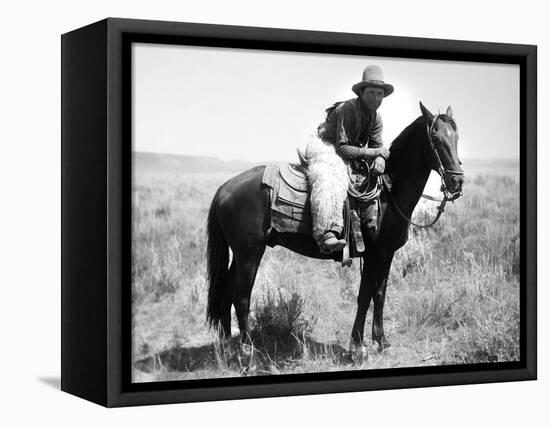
449,112
426,113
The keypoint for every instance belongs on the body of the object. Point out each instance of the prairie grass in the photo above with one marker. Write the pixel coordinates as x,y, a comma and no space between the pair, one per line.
452,298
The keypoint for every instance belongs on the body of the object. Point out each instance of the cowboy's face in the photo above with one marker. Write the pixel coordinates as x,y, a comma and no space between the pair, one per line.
372,97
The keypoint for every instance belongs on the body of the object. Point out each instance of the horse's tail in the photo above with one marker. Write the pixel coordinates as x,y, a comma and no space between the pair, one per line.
217,267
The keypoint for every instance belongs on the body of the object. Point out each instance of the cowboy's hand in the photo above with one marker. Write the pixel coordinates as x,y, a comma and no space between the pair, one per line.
383,152
378,166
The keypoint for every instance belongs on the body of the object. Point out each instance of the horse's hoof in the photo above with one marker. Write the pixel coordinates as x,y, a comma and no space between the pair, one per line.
383,344
249,363
247,350
358,353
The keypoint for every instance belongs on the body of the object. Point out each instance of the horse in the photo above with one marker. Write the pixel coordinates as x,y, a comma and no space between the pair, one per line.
239,219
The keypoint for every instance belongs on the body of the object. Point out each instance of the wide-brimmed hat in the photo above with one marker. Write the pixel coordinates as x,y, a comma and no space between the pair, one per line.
373,77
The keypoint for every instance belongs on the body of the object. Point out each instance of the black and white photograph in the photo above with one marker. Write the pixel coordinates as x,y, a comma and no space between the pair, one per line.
276,213
299,212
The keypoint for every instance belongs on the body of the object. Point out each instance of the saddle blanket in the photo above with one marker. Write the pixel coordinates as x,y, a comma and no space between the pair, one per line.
290,204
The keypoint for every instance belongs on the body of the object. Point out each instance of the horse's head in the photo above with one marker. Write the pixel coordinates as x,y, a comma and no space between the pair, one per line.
442,151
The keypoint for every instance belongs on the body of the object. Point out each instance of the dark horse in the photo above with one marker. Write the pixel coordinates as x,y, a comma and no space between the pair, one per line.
239,219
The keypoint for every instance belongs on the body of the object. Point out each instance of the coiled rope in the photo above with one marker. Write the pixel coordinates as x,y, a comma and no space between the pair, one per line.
369,194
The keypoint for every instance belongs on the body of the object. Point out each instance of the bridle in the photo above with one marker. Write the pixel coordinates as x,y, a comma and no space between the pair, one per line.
443,172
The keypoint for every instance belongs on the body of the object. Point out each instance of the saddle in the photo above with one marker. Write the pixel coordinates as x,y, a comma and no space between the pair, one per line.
290,203
291,209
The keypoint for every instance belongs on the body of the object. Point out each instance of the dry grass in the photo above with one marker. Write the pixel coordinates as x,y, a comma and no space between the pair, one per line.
453,293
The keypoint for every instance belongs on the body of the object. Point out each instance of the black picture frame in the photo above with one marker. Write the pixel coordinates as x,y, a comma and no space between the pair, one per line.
96,206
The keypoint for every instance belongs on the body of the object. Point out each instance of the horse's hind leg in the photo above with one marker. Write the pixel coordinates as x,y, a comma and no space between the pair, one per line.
225,321
245,275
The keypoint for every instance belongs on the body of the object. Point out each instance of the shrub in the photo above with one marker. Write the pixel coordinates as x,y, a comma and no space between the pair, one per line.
495,339
279,322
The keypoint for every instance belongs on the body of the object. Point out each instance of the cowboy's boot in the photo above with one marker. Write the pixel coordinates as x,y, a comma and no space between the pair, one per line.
330,243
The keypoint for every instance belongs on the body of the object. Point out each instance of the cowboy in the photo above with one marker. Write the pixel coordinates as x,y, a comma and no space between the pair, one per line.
354,130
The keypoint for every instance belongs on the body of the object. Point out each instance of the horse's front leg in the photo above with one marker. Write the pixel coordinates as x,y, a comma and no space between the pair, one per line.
379,298
366,289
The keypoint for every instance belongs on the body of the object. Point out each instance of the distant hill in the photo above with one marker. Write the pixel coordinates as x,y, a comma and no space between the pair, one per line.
169,163
178,164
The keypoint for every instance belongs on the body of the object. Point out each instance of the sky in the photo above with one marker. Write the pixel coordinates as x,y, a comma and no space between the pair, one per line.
261,105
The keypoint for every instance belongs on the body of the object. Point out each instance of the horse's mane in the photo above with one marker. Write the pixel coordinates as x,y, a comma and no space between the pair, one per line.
401,141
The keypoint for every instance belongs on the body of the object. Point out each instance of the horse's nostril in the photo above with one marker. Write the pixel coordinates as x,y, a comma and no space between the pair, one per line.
457,178
455,182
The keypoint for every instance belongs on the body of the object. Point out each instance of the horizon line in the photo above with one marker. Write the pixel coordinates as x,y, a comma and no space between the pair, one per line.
287,160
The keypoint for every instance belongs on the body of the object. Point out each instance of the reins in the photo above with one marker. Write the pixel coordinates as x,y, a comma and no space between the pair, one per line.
440,208
447,195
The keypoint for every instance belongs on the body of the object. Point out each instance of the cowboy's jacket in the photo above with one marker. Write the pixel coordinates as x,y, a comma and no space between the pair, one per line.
351,127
